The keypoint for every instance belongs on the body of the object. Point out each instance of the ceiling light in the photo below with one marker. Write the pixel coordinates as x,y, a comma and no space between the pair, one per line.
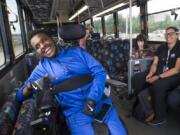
82,9
109,9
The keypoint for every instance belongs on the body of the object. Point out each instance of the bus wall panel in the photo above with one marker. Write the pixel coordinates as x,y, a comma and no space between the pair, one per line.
12,80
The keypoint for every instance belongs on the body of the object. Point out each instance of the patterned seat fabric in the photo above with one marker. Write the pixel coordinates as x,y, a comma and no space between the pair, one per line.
25,116
8,115
31,60
113,55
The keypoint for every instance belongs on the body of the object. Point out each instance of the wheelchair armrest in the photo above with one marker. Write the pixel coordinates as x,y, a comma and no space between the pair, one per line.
115,83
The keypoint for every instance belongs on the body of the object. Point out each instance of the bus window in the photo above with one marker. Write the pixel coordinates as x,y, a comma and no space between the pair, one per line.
15,27
109,24
87,22
161,17
161,5
123,17
97,25
2,58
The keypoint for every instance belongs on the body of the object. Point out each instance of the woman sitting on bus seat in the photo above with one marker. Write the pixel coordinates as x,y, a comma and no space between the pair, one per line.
140,47
163,75
62,64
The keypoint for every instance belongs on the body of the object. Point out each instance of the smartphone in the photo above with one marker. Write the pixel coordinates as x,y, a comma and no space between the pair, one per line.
100,116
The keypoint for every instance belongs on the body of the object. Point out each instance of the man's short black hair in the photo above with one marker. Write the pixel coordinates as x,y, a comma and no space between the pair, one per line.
172,27
37,31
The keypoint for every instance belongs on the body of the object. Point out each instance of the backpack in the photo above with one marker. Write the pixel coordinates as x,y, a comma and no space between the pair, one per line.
142,108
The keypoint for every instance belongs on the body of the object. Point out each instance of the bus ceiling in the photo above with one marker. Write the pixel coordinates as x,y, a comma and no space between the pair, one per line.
44,11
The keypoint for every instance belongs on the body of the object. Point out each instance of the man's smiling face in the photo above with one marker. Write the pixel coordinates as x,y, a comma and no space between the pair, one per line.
43,45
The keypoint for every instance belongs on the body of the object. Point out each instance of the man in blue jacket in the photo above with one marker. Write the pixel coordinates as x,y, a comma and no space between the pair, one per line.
61,64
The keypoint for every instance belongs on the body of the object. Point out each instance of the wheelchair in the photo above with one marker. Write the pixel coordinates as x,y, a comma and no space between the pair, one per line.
49,117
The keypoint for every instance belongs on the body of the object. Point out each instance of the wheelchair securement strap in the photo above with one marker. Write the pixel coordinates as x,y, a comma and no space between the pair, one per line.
72,83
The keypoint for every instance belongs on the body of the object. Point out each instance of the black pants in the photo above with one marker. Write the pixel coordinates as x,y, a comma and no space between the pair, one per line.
159,90
139,82
174,100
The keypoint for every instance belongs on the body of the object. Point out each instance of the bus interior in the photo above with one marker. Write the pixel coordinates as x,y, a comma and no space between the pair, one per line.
116,23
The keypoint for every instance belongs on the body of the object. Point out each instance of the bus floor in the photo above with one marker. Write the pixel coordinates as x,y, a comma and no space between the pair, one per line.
134,127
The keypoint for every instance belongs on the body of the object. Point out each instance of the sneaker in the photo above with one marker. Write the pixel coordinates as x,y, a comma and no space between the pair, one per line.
156,122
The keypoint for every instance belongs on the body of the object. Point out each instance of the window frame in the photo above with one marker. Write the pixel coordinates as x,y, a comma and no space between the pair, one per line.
157,13
22,32
4,38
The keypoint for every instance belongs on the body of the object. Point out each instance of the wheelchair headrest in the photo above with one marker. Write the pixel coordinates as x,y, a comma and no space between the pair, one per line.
72,31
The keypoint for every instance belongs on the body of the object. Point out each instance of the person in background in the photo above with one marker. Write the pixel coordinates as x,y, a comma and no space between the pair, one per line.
89,33
163,75
140,42
140,46
90,29
82,41
79,104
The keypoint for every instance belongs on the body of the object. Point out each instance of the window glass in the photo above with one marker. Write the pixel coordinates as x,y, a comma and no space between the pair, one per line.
2,56
88,22
109,24
157,23
123,17
15,27
97,25
161,5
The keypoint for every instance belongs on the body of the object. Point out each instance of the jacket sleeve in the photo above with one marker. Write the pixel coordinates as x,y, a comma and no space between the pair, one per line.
37,73
99,76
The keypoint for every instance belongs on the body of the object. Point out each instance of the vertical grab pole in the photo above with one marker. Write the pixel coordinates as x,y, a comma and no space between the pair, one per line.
102,4
59,24
130,23
57,21
130,50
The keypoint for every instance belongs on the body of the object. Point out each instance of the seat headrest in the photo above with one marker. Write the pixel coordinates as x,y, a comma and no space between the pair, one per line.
72,31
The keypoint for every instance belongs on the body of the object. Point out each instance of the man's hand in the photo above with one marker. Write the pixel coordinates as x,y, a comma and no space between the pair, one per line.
89,107
153,79
27,90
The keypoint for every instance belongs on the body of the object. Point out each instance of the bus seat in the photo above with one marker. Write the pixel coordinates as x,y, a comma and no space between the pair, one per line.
72,31
173,99
111,55
8,115
31,60
26,114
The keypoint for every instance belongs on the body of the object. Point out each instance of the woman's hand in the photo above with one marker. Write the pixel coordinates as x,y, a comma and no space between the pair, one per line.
153,79
148,77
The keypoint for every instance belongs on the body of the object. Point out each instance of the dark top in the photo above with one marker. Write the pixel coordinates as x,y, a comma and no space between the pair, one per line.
164,59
